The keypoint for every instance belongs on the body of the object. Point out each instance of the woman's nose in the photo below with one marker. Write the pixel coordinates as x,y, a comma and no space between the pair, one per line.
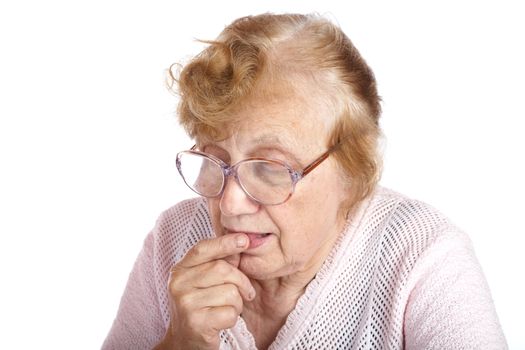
234,201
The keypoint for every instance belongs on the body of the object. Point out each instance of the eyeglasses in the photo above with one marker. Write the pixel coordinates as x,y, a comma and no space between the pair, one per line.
266,181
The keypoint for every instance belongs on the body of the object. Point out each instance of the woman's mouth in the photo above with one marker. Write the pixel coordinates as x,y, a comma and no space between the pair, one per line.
257,239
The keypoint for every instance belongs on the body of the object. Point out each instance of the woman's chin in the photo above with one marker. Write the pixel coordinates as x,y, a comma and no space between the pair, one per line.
254,267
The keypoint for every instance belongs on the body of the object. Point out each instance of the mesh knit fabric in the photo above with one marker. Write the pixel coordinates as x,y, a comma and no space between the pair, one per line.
400,276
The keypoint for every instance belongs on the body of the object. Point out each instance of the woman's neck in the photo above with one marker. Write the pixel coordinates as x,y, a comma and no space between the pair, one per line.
267,313
275,299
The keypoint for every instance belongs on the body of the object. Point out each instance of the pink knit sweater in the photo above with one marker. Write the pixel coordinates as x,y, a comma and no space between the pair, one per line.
401,276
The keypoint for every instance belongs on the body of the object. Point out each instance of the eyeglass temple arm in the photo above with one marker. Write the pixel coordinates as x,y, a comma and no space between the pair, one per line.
321,159
316,162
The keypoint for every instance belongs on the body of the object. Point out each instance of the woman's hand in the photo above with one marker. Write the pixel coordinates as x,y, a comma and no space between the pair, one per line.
206,292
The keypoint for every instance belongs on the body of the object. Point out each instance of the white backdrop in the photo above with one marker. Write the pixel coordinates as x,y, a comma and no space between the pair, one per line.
88,138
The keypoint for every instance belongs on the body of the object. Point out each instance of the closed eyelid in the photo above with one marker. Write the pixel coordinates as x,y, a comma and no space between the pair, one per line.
276,153
271,152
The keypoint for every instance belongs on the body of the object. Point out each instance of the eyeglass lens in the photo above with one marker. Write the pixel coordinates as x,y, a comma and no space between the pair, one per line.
201,174
266,181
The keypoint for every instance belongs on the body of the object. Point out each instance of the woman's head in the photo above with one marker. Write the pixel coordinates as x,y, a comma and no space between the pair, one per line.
267,58
286,88
261,57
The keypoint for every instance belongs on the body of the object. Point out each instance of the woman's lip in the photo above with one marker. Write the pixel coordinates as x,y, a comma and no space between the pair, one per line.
256,238
246,232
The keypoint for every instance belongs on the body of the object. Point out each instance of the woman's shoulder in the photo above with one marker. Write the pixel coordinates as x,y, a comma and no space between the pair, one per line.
183,211
179,228
410,225
408,213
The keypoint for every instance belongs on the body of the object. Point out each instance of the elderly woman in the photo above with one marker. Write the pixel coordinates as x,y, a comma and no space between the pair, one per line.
293,245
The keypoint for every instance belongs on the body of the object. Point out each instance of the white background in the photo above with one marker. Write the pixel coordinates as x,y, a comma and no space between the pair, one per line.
88,138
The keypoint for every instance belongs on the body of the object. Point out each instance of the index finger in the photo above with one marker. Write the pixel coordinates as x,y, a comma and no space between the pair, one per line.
215,248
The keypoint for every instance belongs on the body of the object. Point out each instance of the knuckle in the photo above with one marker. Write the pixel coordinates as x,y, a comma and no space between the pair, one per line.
238,307
222,268
184,302
174,275
232,292
230,316
174,287
199,249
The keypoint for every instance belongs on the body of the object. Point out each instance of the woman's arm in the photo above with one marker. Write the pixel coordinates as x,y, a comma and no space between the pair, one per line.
139,323
450,306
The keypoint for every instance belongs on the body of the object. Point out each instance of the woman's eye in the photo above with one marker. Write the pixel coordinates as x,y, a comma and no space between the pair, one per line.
268,168
271,172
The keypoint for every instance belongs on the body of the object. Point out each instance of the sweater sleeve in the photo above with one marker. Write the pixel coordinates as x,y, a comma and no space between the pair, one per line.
139,323
450,306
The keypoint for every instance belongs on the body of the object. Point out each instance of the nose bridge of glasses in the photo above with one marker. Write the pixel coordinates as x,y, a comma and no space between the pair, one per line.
228,170
231,171
238,187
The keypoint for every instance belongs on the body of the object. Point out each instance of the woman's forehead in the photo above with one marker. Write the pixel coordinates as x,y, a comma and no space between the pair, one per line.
251,137
262,137
289,120
288,116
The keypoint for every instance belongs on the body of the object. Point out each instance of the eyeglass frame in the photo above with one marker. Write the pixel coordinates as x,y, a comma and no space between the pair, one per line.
231,170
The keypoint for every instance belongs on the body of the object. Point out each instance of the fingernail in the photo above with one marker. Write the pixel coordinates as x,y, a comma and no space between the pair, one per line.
252,294
241,241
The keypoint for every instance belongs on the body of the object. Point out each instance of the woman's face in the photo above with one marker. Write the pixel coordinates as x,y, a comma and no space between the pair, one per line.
296,236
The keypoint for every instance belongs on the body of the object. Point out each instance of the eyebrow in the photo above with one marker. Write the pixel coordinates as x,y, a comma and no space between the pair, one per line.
269,141
269,138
